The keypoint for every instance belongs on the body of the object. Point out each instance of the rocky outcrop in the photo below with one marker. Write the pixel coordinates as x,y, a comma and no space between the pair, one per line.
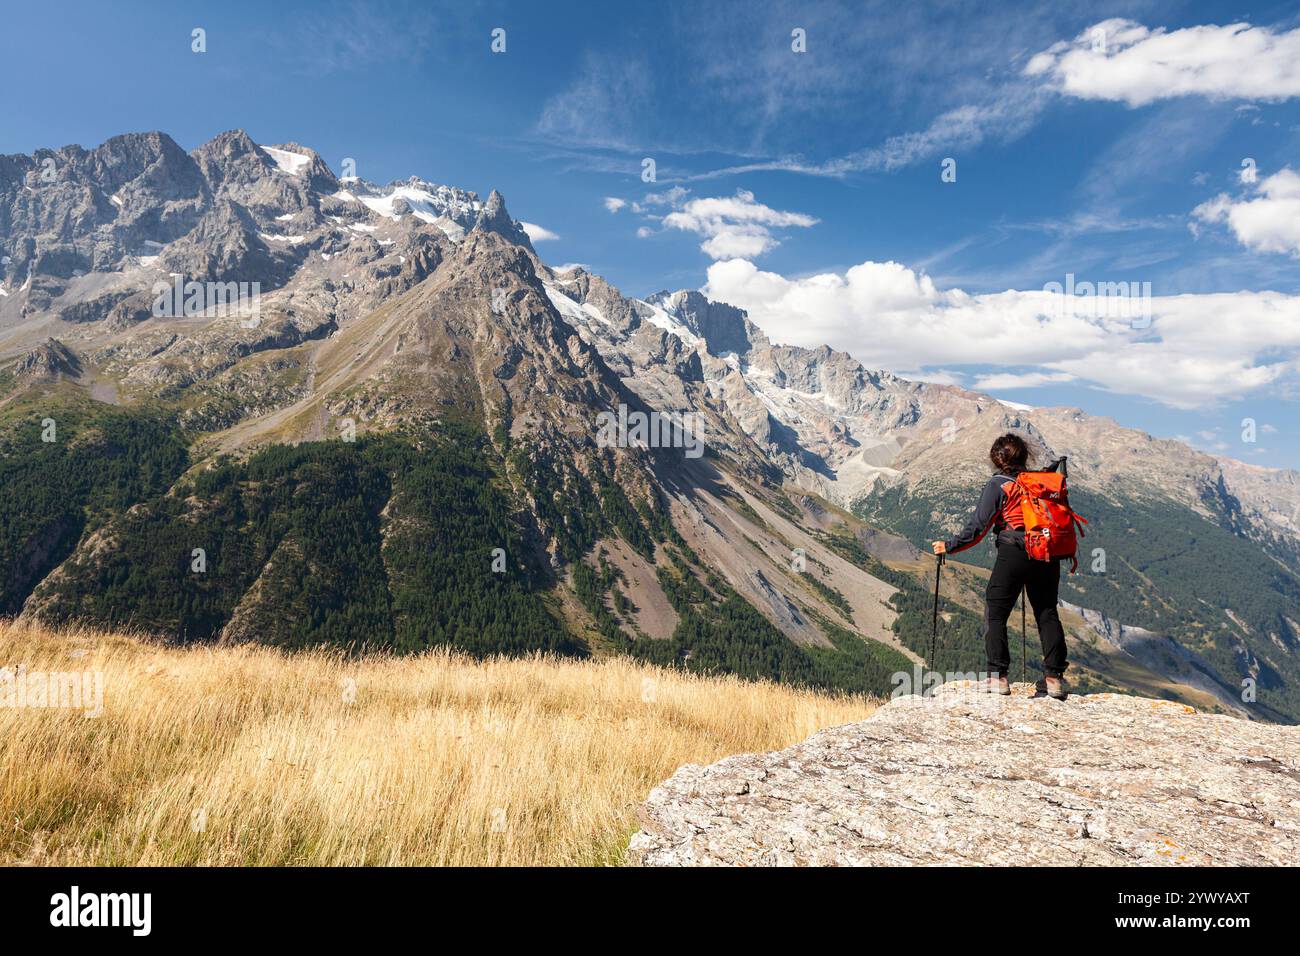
965,778
50,359
494,218
71,210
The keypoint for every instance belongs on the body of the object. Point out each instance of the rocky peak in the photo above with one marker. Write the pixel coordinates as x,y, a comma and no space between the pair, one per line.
50,359
152,160
964,779
74,211
267,179
110,165
723,327
226,147
493,217
221,156
304,162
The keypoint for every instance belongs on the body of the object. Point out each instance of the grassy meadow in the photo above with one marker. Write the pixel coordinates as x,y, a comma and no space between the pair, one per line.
248,755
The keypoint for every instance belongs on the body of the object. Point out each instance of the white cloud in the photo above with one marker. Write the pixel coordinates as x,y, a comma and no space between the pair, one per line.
614,204
734,226
1002,381
1270,222
1198,349
1123,61
537,233
939,376
669,197
736,243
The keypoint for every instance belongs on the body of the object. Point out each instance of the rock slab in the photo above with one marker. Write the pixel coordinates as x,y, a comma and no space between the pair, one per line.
963,778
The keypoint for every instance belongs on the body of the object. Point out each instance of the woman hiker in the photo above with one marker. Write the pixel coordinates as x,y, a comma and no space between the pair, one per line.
999,508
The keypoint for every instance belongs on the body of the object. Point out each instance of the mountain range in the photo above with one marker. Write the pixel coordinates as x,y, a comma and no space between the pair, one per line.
400,447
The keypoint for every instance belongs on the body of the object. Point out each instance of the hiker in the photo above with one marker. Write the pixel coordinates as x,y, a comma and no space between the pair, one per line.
1000,508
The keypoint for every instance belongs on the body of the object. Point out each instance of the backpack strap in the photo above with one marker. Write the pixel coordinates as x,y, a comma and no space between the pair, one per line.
998,525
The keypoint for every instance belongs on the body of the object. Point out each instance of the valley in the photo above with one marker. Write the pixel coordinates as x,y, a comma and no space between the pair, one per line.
422,396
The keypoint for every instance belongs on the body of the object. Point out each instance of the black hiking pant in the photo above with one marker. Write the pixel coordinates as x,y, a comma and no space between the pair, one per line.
1014,571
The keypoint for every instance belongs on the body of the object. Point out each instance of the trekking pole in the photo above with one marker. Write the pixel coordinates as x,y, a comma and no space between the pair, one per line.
934,625
1024,637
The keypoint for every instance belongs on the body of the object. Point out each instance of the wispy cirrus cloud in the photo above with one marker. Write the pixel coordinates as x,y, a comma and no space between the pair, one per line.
602,107
1116,60
347,35
763,94
1004,117
980,92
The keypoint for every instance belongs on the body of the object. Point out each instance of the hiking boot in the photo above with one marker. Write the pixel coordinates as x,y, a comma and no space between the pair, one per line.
1053,687
994,685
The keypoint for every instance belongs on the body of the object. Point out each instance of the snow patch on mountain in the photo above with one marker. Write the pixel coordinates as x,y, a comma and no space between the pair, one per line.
424,201
450,228
657,315
571,309
292,163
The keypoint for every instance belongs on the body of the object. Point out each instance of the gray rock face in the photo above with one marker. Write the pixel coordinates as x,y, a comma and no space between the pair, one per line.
50,359
965,778
70,211
723,327
230,210
494,218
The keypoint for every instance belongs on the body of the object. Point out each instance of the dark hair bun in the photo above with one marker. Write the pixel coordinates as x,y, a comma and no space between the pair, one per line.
1009,453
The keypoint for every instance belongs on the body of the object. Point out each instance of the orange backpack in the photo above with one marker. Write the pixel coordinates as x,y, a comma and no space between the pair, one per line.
1050,522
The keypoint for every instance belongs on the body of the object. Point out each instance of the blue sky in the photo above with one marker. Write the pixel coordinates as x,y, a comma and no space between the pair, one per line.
1105,143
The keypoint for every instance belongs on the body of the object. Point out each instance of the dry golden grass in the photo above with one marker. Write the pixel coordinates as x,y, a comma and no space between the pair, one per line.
248,756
